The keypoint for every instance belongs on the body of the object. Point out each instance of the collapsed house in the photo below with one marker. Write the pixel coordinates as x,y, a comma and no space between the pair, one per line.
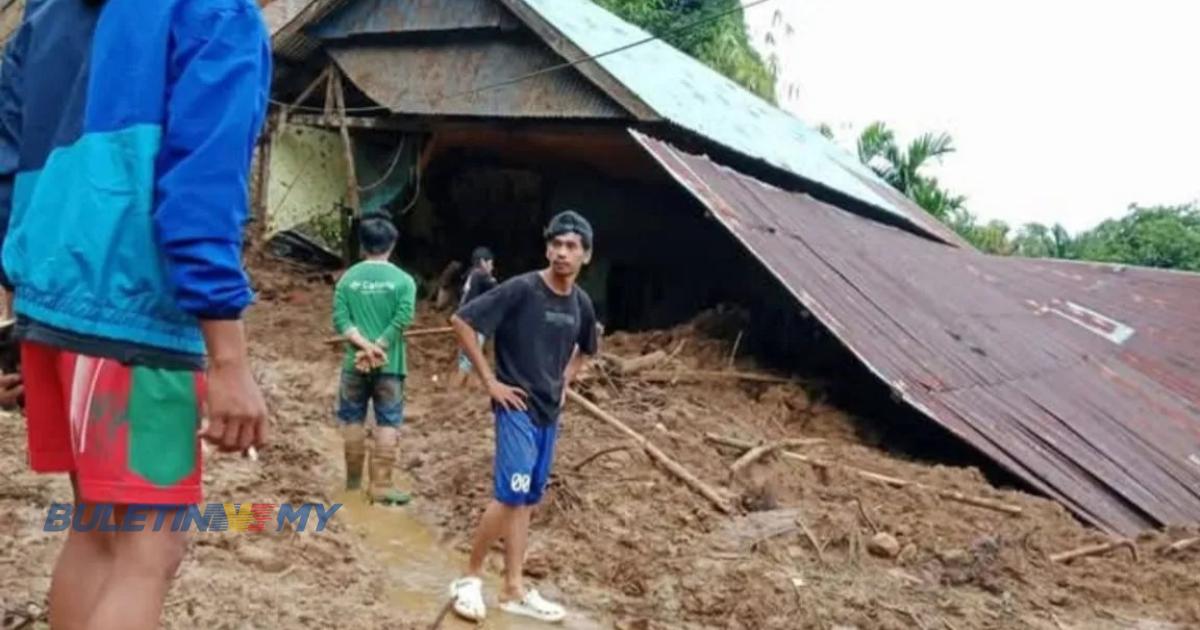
472,121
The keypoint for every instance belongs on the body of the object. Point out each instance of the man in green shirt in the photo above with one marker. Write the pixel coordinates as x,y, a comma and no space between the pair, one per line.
372,306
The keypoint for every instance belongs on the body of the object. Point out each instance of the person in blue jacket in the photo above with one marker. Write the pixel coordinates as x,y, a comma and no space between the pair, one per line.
127,129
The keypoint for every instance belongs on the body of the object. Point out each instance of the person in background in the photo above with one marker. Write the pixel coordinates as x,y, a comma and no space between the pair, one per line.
126,135
373,305
480,279
543,325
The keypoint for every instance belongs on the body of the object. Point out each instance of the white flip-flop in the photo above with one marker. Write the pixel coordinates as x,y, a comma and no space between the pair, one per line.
468,598
533,605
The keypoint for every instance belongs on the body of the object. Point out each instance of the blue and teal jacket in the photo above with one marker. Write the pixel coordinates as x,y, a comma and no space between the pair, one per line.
127,130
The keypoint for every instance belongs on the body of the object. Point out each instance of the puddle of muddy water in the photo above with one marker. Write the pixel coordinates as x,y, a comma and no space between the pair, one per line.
420,569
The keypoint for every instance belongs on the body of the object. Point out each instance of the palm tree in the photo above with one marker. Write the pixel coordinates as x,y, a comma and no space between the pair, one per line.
877,148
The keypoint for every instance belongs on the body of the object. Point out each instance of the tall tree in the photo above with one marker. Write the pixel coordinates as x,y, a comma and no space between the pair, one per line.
721,43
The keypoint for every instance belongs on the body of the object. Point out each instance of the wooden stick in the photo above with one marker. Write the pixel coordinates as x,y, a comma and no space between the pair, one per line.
863,511
762,450
746,445
894,482
409,334
437,623
1180,545
753,455
733,355
812,539
653,451
347,144
980,502
308,91
1094,550
598,454
703,376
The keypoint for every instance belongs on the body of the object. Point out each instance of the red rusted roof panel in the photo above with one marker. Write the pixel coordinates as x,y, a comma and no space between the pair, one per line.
1079,378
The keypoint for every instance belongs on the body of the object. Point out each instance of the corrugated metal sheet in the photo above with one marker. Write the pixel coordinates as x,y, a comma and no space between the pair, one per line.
1081,379
287,20
373,17
699,99
438,78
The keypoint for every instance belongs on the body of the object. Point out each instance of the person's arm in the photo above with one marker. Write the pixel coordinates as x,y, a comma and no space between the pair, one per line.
218,83
235,413
510,398
219,77
11,120
484,315
343,322
11,388
586,345
406,307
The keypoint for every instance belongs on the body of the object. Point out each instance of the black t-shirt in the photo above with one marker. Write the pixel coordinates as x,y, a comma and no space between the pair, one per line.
535,332
478,282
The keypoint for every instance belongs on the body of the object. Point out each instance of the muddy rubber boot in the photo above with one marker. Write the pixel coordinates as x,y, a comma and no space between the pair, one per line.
355,436
383,462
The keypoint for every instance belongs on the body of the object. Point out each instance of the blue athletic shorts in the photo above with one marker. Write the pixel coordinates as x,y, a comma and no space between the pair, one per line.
524,457
385,392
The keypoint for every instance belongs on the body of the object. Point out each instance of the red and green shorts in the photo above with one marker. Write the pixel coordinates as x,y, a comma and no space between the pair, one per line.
128,433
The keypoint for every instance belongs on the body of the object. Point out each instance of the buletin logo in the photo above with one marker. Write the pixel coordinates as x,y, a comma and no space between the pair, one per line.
213,517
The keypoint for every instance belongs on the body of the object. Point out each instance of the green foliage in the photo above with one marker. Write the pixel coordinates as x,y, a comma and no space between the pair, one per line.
722,44
903,167
1157,236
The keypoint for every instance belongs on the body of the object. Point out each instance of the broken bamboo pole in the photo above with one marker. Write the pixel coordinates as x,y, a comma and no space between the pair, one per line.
1095,550
753,455
760,451
653,451
894,482
1180,545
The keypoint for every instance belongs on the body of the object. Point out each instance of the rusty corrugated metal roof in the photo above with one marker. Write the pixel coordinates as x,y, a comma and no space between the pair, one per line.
368,17
439,78
1082,379
652,82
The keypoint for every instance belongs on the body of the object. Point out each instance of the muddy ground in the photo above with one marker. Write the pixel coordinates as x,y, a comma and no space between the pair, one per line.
618,537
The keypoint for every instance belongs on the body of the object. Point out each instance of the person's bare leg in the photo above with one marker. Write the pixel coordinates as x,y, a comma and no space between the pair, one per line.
81,570
516,540
494,524
143,567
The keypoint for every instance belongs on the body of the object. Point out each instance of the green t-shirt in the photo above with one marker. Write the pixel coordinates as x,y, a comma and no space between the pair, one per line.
378,299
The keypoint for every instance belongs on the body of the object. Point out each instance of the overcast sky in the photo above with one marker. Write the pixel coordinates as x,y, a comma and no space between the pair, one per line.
1062,110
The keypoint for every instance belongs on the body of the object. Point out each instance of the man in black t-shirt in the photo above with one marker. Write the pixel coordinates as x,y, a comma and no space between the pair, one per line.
543,325
480,280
